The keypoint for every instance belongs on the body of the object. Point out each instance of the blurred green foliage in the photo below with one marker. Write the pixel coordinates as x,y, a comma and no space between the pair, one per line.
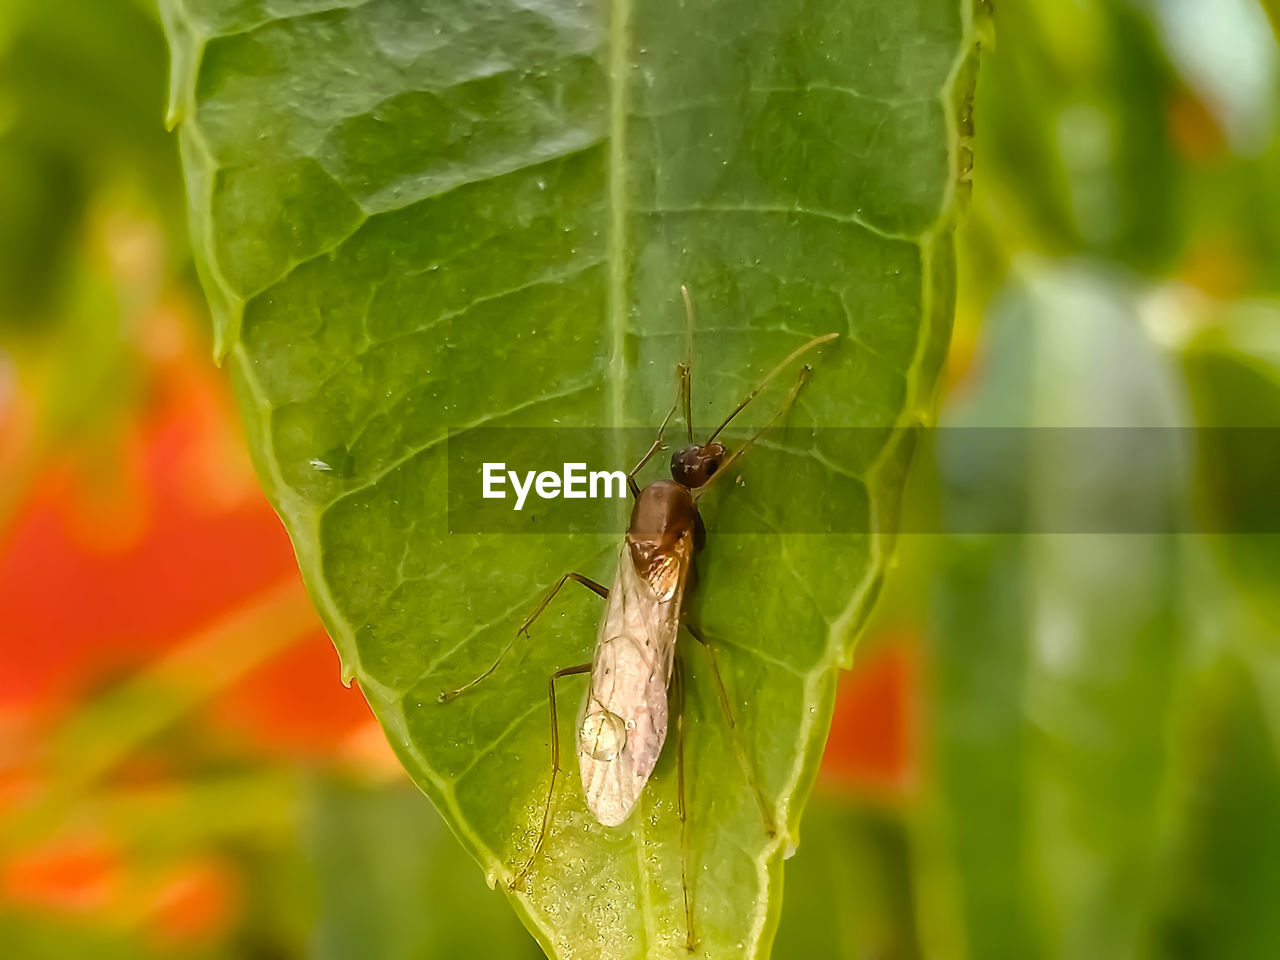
850,889
393,883
1098,771
81,87
1057,656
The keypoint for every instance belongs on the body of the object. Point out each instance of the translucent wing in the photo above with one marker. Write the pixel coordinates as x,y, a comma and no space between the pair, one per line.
624,720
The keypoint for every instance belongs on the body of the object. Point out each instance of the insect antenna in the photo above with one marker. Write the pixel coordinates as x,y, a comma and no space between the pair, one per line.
777,415
688,360
768,377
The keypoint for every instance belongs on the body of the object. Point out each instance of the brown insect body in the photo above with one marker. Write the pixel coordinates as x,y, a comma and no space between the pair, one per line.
623,723
662,514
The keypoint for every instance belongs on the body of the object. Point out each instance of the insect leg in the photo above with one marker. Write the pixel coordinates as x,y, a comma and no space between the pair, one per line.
682,390
770,825
518,881
691,942
778,415
587,582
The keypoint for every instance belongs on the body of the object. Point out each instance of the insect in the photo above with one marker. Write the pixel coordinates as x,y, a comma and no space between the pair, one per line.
623,721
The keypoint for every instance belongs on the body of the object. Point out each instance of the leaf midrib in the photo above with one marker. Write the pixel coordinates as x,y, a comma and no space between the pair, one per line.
619,49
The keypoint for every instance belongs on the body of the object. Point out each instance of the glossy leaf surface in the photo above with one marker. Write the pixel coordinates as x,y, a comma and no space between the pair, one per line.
414,219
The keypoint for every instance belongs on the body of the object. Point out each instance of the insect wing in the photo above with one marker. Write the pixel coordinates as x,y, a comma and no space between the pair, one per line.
624,720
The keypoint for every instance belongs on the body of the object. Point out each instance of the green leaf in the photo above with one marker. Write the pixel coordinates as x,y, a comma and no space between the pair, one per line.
1059,655
1233,373
855,885
392,883
1229,865
417,218
1074,132
1273,14
78,122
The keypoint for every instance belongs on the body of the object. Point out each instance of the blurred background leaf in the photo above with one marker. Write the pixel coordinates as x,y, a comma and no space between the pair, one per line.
1057,655
394,883
1049,745
855,888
